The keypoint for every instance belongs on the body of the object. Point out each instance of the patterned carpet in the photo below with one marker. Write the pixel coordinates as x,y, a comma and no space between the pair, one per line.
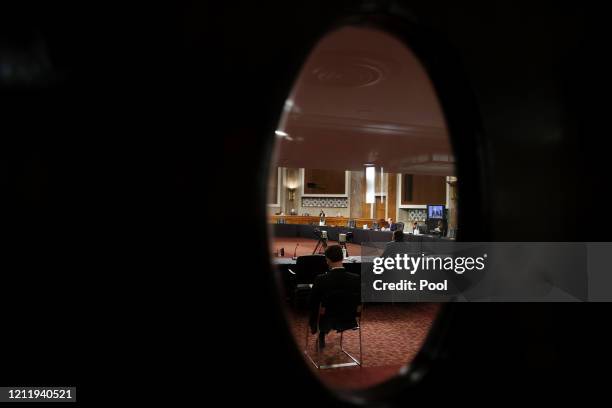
305,246
392,334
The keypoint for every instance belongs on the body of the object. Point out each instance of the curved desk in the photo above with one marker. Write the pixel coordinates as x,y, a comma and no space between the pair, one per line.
360,236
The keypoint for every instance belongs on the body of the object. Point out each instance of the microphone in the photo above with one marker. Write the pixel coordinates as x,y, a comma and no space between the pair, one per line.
295,251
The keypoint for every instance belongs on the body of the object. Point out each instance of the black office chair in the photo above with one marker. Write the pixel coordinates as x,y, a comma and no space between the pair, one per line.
342,312
307,268
399,226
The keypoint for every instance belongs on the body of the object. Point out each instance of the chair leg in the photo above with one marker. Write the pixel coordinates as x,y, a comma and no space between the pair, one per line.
320,366
360,346
307,354
355,361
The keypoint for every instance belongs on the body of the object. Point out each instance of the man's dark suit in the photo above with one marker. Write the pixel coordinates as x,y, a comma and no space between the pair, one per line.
339,292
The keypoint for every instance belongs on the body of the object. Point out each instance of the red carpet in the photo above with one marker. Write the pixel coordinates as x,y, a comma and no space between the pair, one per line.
306,246
352,378
392,334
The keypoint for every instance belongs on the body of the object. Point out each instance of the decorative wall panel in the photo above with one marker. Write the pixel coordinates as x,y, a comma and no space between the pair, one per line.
417,214
325,202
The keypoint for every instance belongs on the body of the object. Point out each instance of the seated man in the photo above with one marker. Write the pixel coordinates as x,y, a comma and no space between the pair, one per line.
338,291
392,225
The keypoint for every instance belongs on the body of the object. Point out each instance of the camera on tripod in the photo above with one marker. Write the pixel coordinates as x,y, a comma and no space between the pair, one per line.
347,237
343,239
322,242
320,234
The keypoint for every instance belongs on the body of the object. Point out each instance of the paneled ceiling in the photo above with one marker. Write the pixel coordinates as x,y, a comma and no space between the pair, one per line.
363,97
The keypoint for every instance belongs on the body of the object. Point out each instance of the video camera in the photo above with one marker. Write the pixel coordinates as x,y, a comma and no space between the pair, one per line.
320,234
346,237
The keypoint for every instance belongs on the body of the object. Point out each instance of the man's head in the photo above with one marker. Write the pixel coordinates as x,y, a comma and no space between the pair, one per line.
398,236
334,256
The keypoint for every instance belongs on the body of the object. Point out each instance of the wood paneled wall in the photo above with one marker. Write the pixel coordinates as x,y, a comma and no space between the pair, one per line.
357,195
324,181
273,186
425,190
314,220
392,196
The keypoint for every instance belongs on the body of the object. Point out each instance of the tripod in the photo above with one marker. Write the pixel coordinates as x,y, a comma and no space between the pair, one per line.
323,243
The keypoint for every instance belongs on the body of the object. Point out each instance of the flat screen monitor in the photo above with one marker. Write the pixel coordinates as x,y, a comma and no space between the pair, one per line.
435,212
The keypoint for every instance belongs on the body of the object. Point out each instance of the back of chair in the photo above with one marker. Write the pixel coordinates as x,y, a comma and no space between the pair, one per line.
399,226
342,308
308,267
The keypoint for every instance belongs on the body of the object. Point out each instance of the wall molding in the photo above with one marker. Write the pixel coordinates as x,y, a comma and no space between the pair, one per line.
347,184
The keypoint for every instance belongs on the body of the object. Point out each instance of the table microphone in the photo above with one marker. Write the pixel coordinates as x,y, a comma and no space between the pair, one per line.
295,251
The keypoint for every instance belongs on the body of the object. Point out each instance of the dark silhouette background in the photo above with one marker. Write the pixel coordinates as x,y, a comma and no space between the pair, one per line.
107,274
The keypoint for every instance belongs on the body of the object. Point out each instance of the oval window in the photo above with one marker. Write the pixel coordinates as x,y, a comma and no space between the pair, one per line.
362,155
